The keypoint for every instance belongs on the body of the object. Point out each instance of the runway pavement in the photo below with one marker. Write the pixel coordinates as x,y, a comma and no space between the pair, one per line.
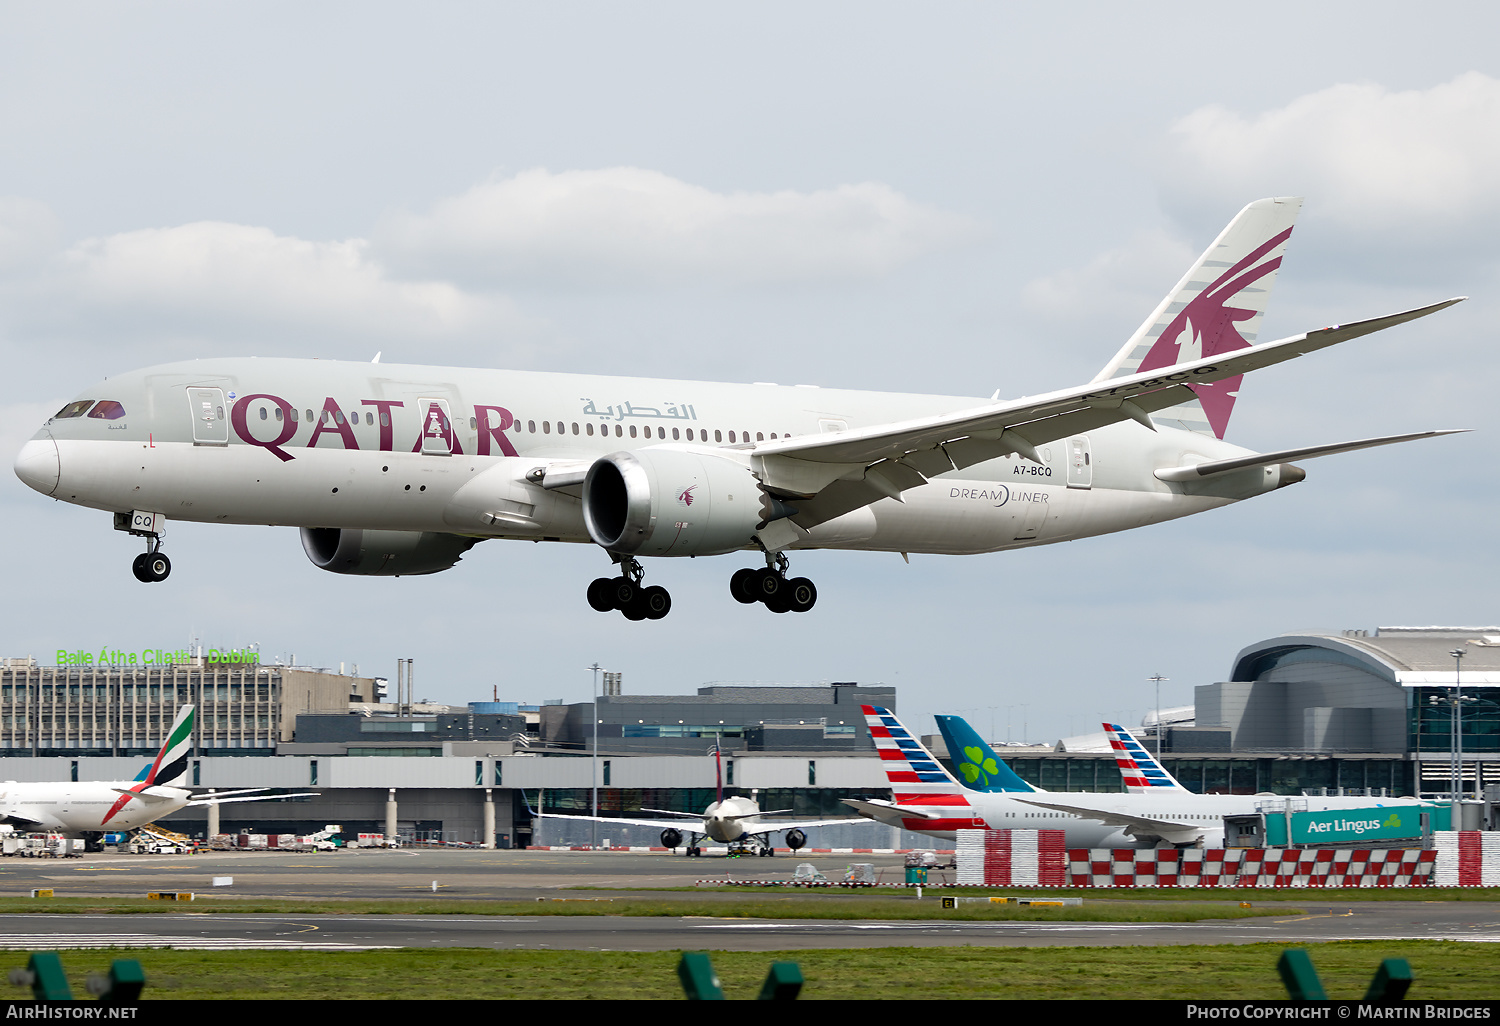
471,875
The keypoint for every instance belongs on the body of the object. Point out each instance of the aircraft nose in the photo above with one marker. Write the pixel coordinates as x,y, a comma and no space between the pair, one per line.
38,465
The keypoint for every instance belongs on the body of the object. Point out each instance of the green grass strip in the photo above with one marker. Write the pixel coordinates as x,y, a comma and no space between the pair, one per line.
1442,970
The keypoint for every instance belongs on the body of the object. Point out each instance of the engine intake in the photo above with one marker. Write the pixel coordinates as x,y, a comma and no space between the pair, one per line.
673,502
382,553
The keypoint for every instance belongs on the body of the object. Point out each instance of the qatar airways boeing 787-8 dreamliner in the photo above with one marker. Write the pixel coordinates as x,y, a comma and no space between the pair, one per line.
392,470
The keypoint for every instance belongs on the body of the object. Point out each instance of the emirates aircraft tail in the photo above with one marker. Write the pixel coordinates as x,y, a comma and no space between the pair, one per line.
1216,308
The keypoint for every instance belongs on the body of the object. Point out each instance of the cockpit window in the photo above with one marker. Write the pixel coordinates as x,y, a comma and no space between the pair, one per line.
107,409
77,409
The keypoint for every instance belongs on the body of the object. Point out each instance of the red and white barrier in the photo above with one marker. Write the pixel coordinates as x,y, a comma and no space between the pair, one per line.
1036,858
1467,858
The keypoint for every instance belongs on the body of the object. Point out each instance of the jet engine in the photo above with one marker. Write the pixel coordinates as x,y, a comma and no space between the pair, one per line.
382,553
795,839
674,502
671,838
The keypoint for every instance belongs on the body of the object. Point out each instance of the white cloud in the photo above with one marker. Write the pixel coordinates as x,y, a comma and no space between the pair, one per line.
237,272
1378,161
630,225
1117,289
28,233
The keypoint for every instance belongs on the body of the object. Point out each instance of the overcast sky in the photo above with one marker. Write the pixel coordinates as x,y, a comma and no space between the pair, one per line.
942,198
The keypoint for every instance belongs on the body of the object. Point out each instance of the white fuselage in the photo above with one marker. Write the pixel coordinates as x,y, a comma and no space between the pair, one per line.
85,807
1202,815
730,819
322,444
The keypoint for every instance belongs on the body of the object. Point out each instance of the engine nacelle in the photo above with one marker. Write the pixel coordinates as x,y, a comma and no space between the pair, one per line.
674,502
671,838
382,553
795,839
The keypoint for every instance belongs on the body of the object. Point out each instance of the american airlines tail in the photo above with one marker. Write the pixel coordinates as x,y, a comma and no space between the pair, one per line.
1138,768
927,798
977,763
1216,308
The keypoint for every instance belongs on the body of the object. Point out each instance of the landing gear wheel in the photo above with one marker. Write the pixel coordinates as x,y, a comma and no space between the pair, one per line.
657,602
742,585
767,583
635,609
802,594
138,567
601,596
622,592
158,566
781,600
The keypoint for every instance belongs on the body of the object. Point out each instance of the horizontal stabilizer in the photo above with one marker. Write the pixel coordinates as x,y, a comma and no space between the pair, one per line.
147,795
1198,471
252,798
1111,817
886,812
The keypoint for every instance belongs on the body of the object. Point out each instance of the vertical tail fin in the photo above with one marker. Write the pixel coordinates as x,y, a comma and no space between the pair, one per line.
1216,308
172,761
1139,769
911,768
979,768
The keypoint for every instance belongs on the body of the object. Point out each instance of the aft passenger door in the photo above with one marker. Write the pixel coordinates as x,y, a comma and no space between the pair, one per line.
210,424
1080,464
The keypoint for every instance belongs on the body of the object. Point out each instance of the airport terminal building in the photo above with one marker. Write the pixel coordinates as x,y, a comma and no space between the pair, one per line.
1354,712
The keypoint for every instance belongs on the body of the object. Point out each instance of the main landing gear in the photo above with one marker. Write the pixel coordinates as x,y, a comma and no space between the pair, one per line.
626,594
770,586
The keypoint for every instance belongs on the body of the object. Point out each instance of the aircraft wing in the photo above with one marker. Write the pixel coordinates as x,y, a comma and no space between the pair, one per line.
1141,824
22,822
772,828
660,824
840,471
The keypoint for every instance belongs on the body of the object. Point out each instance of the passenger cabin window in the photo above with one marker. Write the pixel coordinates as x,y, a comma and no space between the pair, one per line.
77,409
107,409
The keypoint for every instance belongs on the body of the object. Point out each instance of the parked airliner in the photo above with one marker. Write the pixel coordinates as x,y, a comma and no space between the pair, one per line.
90,807
392,470
735,821
1153,810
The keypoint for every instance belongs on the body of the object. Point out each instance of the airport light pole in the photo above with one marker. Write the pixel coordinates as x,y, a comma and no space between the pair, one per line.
1157,679
594,826
1456,749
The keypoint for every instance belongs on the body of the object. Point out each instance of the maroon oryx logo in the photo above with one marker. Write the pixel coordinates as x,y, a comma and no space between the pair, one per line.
686,495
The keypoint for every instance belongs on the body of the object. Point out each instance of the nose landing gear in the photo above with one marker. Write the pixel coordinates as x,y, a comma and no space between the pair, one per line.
626,594
152,565
771,587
